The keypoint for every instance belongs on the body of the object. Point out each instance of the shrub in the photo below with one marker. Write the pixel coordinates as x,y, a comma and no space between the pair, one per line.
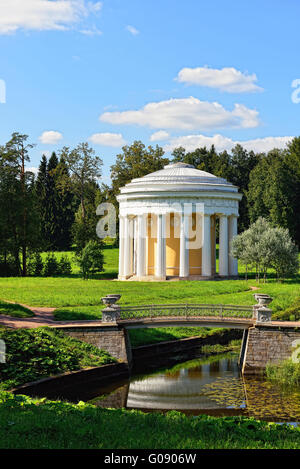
290,314
35,265
51,266
90,260
64,266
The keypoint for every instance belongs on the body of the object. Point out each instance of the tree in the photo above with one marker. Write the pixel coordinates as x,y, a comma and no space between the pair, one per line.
19,214
284,253
67,202
263,247
90,259
242,163
85,168
136,161
18,149
293,163
84,229
274,189
41,191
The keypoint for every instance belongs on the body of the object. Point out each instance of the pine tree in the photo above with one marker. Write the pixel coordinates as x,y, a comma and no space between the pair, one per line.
66,206
52,204
41,191
19,214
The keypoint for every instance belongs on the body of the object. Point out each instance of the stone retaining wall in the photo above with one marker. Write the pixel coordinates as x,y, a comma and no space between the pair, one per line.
192,345
67,384
113,339
265,345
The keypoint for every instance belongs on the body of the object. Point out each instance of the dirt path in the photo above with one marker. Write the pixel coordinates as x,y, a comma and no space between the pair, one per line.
42,317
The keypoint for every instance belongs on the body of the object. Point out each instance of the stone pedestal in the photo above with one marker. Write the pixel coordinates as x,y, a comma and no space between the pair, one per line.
111,315
263,315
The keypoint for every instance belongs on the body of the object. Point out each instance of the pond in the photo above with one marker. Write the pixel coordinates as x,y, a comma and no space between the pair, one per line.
212,386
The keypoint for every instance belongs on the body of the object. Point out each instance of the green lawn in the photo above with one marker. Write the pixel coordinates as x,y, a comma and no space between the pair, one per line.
75,298
29,423
76,294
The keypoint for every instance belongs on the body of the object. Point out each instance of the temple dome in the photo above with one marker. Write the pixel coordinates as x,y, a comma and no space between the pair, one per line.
178,177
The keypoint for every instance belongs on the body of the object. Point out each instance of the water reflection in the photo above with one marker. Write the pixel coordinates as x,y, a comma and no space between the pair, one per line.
198,387
179,389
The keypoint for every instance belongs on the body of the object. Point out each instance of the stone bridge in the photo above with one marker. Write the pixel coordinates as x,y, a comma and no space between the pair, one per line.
263,341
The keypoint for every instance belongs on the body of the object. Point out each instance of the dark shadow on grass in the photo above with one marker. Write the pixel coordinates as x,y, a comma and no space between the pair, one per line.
15,310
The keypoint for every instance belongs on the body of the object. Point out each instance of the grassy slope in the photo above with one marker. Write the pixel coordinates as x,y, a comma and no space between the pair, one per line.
33,354
27,423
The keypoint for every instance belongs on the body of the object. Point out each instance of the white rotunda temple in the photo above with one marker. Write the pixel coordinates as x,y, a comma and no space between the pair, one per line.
168,223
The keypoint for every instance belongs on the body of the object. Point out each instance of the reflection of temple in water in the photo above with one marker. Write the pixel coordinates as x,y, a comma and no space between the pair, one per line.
172,390
215,389
180,390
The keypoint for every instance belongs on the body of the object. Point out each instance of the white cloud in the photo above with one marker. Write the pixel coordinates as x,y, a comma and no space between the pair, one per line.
33,170
108,139
43,14
97,6
132,30
160,135
226,79
50,137
186,114
221,143
91,32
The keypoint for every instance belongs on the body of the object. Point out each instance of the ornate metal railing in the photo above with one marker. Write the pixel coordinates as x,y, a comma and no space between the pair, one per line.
185,311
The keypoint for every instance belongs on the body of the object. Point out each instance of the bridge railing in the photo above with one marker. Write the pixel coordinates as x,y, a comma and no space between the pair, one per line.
185,310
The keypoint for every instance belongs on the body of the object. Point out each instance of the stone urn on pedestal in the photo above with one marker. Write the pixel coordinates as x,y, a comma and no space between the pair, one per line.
111,314
261,313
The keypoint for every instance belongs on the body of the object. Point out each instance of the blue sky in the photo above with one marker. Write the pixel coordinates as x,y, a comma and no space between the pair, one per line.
165,72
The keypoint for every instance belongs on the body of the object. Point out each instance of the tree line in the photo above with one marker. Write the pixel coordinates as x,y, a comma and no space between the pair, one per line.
55,210
52,211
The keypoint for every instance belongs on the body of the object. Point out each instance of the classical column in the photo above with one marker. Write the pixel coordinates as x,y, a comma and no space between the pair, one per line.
121,246
141,246
127,249
232,232
206,246
223,246
184,251
160,265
